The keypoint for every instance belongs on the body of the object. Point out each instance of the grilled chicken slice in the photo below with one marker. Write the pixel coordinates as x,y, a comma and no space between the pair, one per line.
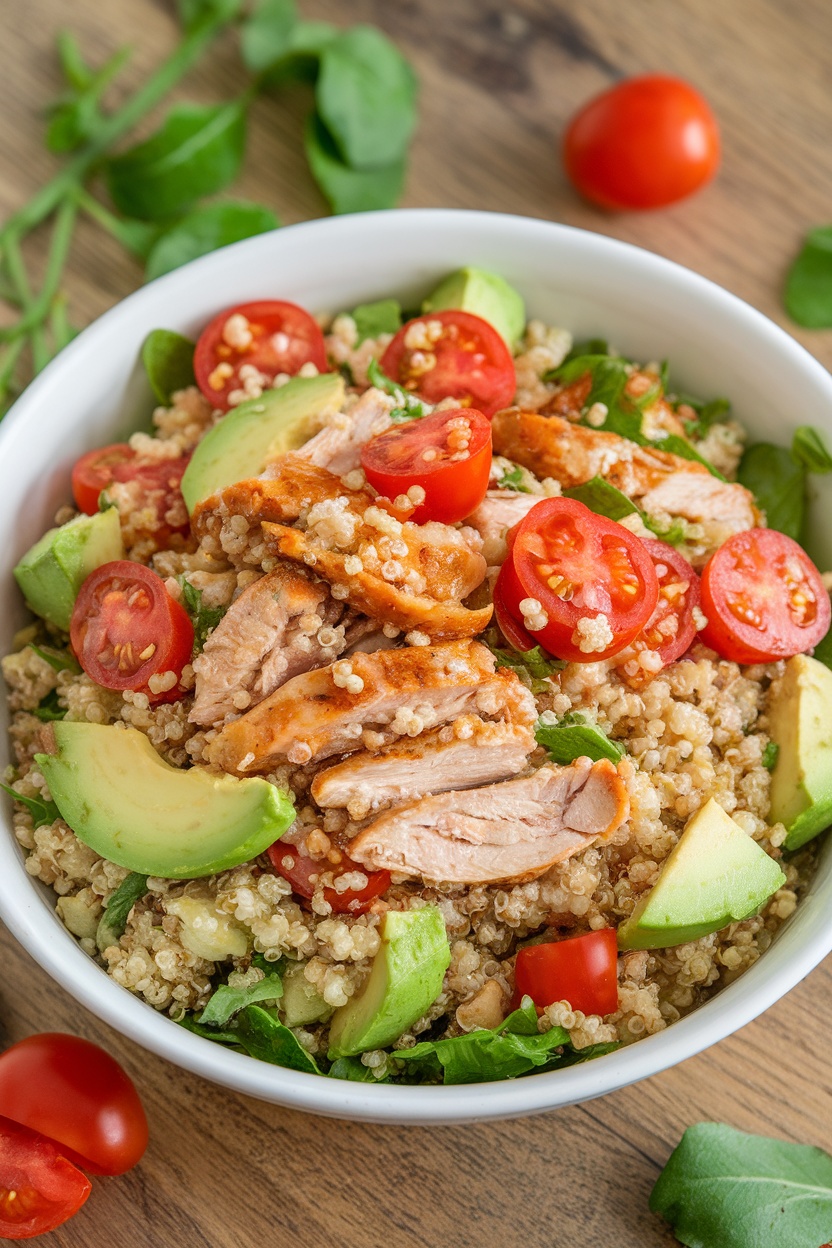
721,507
480,751
369,700
338,446
498,512
281,625
512,831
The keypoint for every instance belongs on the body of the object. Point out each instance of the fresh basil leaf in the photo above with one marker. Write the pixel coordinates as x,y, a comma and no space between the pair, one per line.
513,480
722,1188
131,889
604,499
346,189
277,46
58,660
808,295
353,1068
189,1022
675,445
197,151
265,1037
568,741
204,619
534,667
769,758
168,360
195,13
227,1001
42,812
207,229
382,317
589,346
809,449
49,708
366,98
514,1048
778,482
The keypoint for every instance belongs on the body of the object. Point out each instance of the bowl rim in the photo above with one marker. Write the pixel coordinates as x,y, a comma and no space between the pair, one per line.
27,913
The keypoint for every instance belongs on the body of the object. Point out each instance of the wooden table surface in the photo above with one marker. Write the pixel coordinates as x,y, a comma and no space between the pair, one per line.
498,81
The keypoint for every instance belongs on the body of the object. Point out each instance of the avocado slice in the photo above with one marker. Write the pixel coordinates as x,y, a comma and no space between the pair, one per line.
715,875
123,800
300,1003
800,723
485,294
405,980
243,442
54,569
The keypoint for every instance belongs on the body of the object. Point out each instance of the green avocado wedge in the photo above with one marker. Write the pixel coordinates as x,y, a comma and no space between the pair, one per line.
54,569
484,294
240,445
123,800
800,723
405,980
716,874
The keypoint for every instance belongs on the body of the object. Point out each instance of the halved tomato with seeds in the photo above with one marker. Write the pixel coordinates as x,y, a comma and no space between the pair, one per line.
671,628
39,1187
302,873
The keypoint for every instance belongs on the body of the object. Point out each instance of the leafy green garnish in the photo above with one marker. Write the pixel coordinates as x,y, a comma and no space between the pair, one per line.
408,406
130,890
513,480
722,1188
575,737
207,229
808,295
49,708
204,619
262,1035
382,317
42,812
228,1001
769,757
588,346
347,189
707,414
58,660
353,1068
197,151
534,667
606,500
809,449
168,360
190,1023
778,482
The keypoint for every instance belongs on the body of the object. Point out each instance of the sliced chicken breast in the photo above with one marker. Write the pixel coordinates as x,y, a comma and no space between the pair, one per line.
498,512
465,754
721,507
367,701
338,446
512,831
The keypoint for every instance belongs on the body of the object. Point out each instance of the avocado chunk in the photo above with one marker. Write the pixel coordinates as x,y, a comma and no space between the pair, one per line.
405,980
301,1004
715,875
52,572
485,294
243,442
123,800
800,723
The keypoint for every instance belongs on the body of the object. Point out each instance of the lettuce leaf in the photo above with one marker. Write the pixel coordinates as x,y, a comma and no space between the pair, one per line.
228,1001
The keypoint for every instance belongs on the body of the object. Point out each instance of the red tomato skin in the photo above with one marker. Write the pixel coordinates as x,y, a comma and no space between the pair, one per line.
48,1188
643,143
76,1094
581,970
305,345
167,626
302,867
513,631
742,642
488,392
680,570
453,488
93,472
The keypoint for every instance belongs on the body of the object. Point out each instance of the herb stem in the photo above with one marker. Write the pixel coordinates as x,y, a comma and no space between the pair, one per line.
37,309
59,322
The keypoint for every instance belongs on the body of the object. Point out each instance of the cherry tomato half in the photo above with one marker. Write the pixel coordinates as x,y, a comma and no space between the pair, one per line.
39,1188
77,1095
271,335
448,454
453,355
643,143
671,628
302,872
158,484
515,634
581,970
96,470
125,628
763,597
578,566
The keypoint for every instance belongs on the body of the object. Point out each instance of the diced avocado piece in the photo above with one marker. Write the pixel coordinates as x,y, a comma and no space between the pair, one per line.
206,931
123,800
52,572
405,980
78,917
715,875
485,294
301,1004
800,723
243,442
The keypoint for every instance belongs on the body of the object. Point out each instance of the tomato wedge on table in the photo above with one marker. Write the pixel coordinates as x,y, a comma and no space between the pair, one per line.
126,628
764,598
448,454
453,355
271,335
39,1188
593,579
582,970
302,871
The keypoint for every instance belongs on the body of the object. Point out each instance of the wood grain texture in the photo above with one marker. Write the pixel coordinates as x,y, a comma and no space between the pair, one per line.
498,83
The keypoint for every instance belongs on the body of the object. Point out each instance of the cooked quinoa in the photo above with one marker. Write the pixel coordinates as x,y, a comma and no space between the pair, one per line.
693,730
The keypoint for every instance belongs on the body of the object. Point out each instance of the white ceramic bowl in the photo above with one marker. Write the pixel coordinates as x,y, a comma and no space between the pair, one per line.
651,309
